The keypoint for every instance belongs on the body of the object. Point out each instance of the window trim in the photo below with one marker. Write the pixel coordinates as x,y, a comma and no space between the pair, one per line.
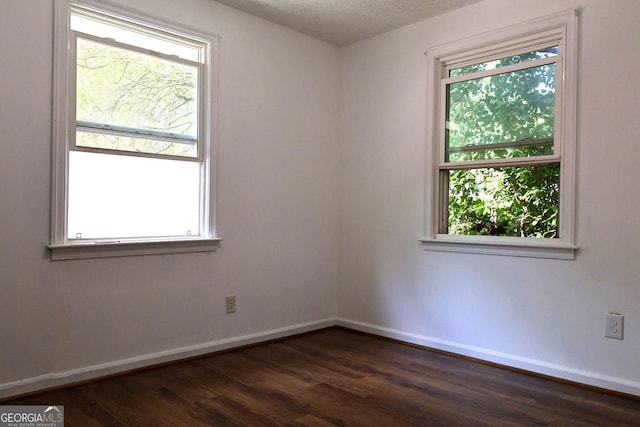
60,246
470,50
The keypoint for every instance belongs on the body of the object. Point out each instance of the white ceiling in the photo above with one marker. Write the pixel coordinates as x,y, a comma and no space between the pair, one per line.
341,22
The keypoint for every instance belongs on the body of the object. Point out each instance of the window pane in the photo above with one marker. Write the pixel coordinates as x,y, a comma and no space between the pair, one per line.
114,196
511,201
120,87
509,60
510,115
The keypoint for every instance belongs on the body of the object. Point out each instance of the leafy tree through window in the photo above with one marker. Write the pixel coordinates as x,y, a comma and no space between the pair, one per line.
502,116
501,143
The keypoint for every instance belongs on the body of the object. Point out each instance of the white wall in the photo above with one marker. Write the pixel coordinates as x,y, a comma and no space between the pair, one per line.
277,210
544,315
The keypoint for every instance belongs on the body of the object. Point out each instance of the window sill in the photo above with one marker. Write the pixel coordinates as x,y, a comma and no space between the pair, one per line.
506,246
84,250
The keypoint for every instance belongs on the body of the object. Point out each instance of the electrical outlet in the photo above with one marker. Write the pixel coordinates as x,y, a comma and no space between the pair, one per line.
231,304
613,325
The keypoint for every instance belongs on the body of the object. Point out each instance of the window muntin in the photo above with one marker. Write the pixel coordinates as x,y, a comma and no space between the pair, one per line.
120,184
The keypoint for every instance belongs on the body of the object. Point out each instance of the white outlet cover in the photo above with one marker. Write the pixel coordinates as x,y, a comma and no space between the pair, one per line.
231,304
613,325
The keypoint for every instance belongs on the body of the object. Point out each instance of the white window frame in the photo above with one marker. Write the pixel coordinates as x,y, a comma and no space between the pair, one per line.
563,27
63,141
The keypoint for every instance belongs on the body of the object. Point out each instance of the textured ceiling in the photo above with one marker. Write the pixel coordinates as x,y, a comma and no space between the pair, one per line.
341,22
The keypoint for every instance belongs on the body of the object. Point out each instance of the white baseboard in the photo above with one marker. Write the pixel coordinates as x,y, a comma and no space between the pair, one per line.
58,379
558,371
97,371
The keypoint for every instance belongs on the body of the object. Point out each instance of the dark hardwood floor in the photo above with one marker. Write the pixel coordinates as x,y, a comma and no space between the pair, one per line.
336,377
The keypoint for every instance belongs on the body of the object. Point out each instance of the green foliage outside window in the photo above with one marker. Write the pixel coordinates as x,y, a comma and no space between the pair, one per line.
503,116
514,201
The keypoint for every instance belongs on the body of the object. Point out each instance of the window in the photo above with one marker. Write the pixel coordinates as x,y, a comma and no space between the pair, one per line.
500,170
133,136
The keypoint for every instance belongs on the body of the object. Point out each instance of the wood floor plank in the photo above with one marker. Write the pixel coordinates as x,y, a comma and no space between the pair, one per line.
229,412
310,420
460,380
336,378
320,368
